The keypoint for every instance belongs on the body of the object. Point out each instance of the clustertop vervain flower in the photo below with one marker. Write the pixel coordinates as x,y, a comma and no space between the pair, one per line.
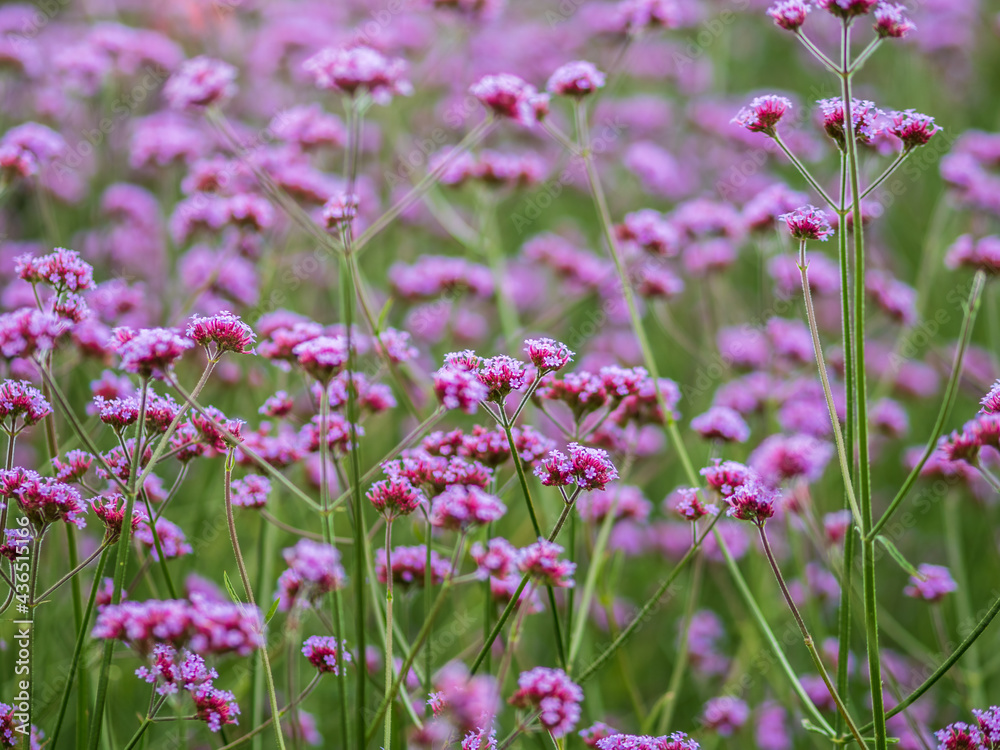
933,586
576,79
808,223
340,210
251,491
459,389
725,714
721,423
501,375
547,354
324,653
675,741
20,400
553,694
322,357
688,504
847,9
149,352
890,21
357,69
913,128
201,82
541,561
225,330
63,270
395,497
789,14
752,501
763,114
460,507
864,114
508,96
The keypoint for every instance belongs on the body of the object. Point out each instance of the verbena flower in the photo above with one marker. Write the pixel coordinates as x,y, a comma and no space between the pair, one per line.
890,23
19,400
789,14
808,223
324,653
395,497
507,96
226,331
359,68
721,423
935,584
763,114
201,82
576,79
554,694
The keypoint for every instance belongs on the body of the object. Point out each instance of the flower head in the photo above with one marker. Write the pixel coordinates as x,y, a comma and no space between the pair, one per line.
199,83
890,21
395,497
359,68
575,79
251,491
460,507
687,503
789,14
20,400
752,501
763,114
913,128
721,423
933,586
547,354
554,694
459,389
324,653
507,96
501,375
725,715
808,223
675,741
592,467
63,270
340,210
322,357
863,114
149,352
541,561
847,9
225,330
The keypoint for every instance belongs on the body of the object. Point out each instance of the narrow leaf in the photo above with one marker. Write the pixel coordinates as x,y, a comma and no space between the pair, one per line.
898,557
229,588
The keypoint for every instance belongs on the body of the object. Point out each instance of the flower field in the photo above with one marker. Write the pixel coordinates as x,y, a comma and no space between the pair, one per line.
617,374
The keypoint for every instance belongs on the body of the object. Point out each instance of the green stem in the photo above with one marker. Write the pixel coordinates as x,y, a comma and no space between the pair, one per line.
387,741
803,171
593,570
861,400
953,537
146,723
683,650
887,173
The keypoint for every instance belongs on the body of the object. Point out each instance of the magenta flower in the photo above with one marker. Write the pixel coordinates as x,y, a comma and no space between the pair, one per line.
541,561
725,715
547,354
43,499
149,352
982,254
20,400
688,504
554,694
592,467
173,543
409,566
314,570
395,497
721,423
675,741
507,96
935,584
28,331
555,470
459,389
789,14
763,114
111,510
201,82
752,501
651,231
501,375
847,9
727,476
576,79
461,507
357,69
890,21
324,653
225,330
322,357
251,491
63,270
913,128
808,223
863,113
960,736
340,210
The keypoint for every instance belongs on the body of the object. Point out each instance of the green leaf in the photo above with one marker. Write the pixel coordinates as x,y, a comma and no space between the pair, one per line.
229,588
810,727
898,557
272,610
